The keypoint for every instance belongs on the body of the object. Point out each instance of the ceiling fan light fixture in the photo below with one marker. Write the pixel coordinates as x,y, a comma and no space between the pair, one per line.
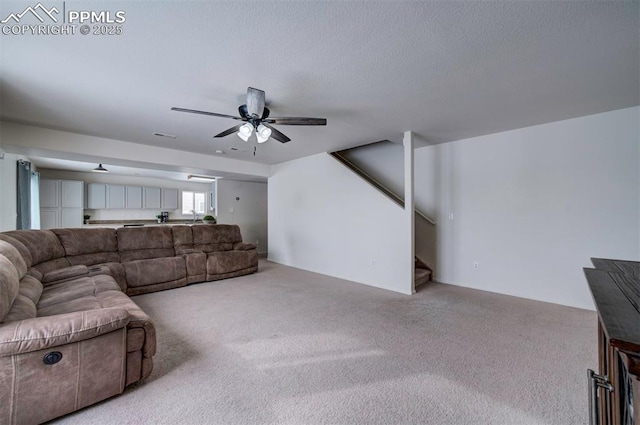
100,169
263,133
245,132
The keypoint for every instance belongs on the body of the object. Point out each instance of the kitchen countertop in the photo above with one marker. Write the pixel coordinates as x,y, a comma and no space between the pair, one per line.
137,223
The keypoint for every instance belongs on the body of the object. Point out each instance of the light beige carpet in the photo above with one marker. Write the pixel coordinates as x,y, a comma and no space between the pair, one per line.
285,346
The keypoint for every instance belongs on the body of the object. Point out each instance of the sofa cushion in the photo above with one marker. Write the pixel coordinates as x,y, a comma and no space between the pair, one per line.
31,288
115,270
23,308
230,261
73,289
139,243
215,237
94,259
196,263
24,251
46,251
38,333
8,286
138,319
182,239
153,271
89,247
87,241
13,255
67,273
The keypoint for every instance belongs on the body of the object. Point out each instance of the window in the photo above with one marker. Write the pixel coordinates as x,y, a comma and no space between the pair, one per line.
194,201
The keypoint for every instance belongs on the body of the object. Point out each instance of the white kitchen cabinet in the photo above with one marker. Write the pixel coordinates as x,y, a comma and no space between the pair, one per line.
151,198
134,197
49,197
169,199
61,203
96,196
115,196
71,217
71,194
49,218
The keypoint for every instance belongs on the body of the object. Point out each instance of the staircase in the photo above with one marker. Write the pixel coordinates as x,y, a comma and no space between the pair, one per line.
375,183
422,273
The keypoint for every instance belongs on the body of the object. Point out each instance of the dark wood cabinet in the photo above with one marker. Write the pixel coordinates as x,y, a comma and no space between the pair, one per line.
615,390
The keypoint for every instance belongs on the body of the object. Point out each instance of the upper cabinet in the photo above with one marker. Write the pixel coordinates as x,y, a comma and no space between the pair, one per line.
96,196
49,197
71,194
151,198
134,197
115,196
169,199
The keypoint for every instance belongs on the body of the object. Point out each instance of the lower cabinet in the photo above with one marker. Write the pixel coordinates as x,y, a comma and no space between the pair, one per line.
49,218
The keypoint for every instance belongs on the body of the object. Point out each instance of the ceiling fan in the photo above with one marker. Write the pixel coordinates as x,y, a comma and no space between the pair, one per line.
256,118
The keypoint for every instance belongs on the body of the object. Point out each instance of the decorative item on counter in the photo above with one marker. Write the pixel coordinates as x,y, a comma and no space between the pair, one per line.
209,219
86,218
159,217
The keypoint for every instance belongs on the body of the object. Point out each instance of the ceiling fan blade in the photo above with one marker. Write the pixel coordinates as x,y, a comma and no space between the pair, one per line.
255,101
229,131
213,114
297,121
276,134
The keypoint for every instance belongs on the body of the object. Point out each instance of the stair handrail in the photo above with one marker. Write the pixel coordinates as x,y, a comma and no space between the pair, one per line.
375,183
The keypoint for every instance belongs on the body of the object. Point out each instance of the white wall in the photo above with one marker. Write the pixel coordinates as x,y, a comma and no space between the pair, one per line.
249,211
532,205
127,214
37,141
383,161
325,219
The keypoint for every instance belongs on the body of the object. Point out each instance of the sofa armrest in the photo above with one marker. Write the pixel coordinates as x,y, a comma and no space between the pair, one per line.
64,274
23,336
241,246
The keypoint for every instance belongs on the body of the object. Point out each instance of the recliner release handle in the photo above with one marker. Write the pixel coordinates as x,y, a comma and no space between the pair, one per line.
52,358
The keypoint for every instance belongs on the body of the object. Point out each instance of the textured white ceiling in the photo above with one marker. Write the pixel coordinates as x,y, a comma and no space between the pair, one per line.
445,70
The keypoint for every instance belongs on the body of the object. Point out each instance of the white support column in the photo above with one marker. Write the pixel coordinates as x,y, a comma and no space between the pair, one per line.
409,203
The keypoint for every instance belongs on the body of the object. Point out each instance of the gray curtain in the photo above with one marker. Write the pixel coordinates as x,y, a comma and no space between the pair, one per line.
24,195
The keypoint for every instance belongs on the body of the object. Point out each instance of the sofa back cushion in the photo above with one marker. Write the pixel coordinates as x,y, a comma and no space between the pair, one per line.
182,239
9,281
24,252
89,246
47,253
13,255
215,237
140,243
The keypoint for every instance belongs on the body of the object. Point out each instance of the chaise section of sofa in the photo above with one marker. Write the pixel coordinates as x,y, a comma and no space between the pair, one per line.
149,259
65,344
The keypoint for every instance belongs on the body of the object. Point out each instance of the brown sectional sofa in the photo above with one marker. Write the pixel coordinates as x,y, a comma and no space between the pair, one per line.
69,334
